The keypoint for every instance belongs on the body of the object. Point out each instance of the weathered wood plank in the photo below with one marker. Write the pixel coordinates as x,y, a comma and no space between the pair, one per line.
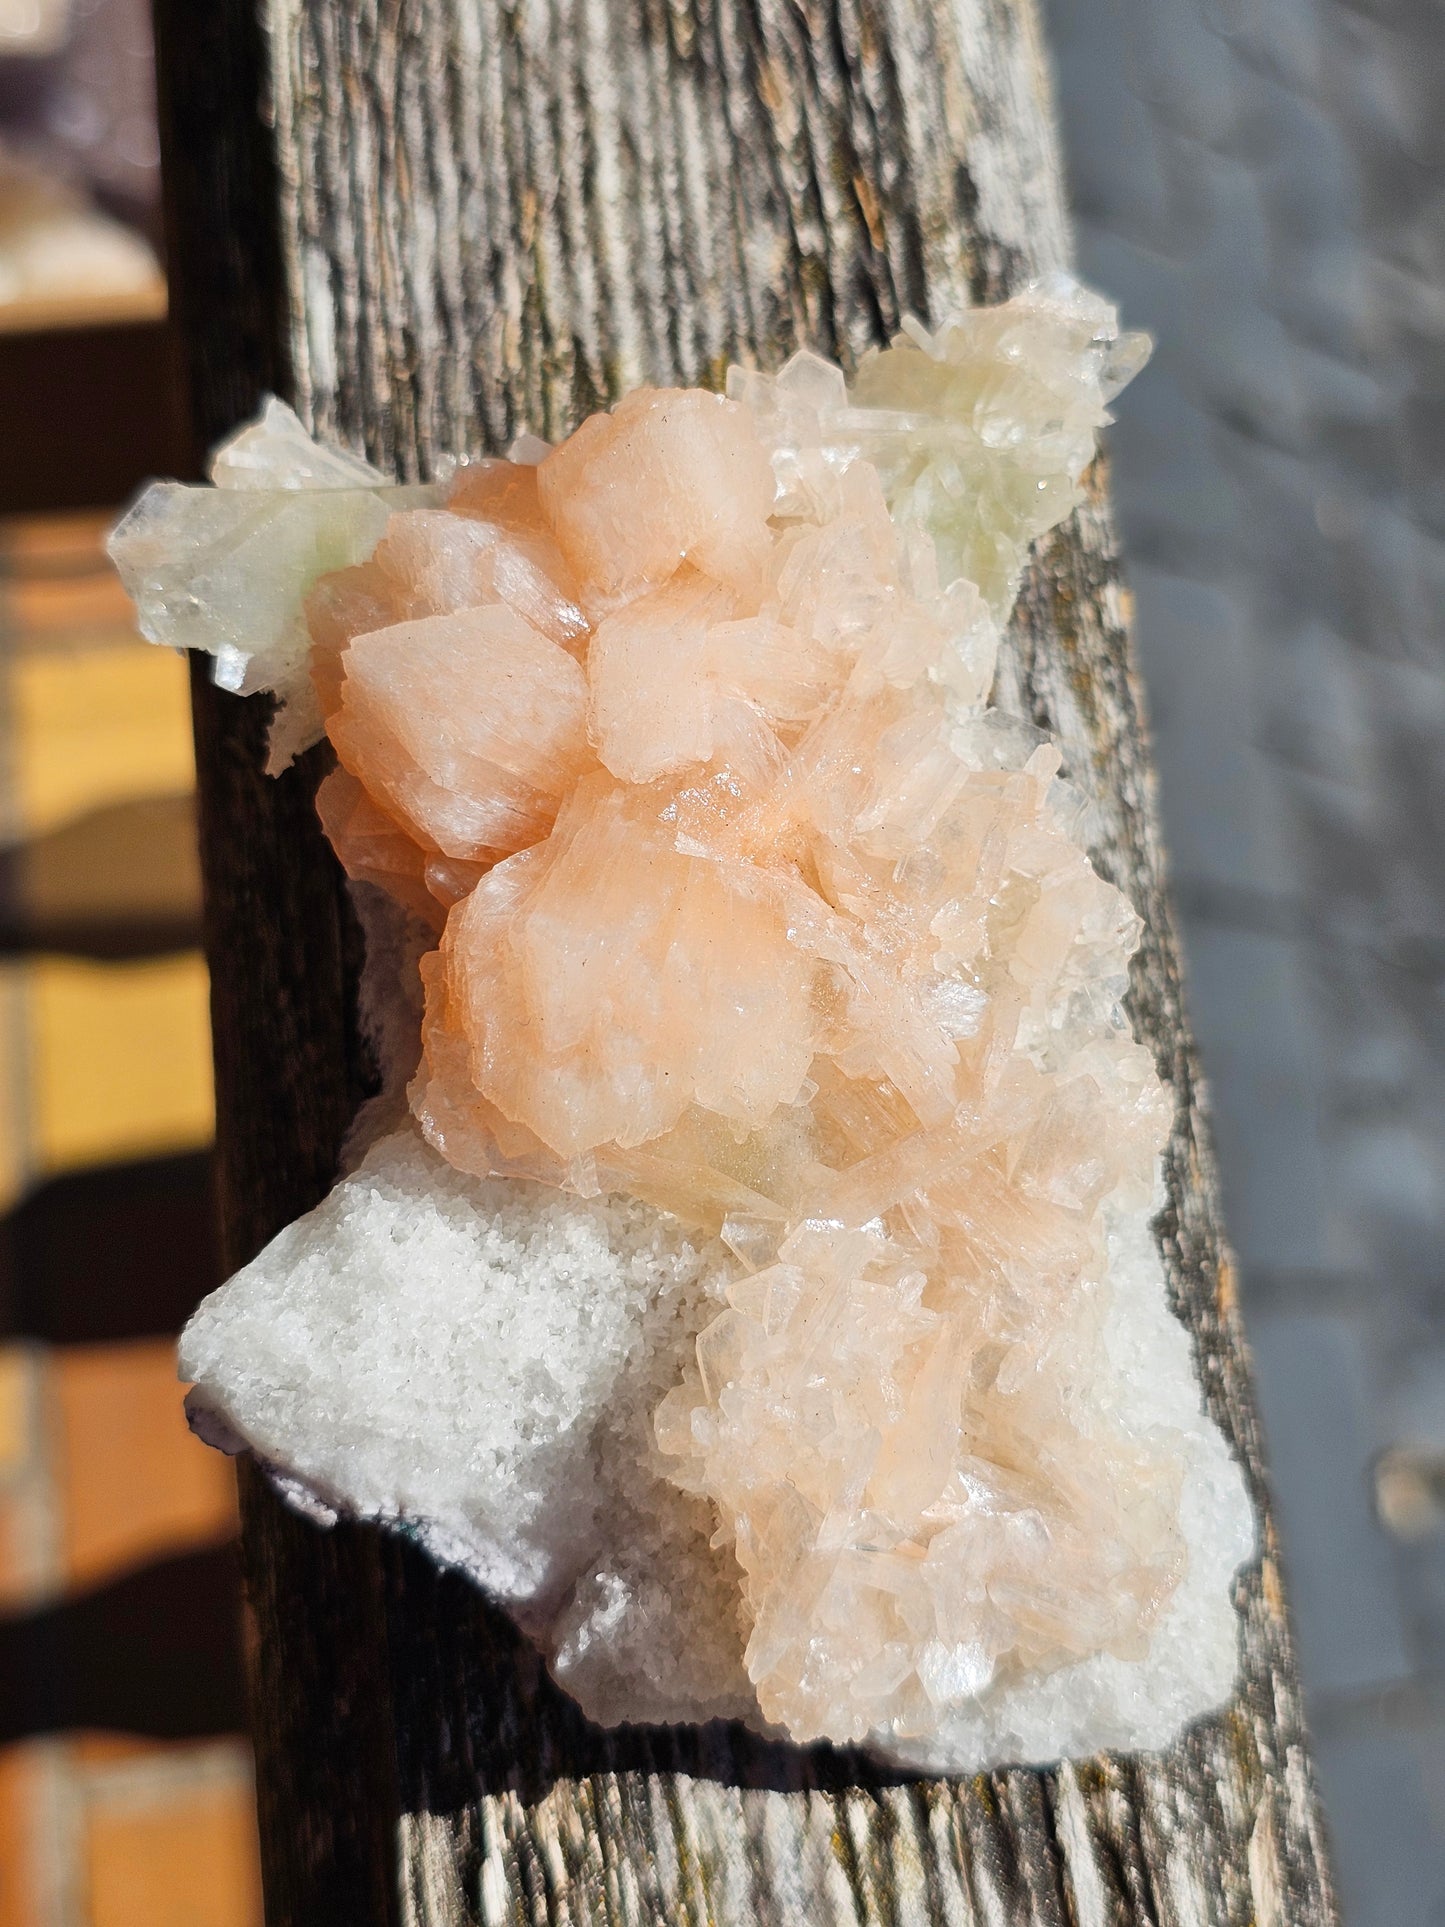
434,222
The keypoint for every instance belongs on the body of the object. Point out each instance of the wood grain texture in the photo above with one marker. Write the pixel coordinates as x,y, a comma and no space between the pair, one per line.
433,223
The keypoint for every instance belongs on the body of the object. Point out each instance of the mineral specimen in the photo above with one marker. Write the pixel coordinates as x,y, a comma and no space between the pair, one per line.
759,1298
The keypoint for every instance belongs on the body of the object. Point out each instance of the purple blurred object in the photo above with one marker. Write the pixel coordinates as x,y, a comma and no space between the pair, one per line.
86,111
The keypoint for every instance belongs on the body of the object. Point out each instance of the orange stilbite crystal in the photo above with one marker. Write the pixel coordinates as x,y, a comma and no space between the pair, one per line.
605,982
789,939
671,475
468,729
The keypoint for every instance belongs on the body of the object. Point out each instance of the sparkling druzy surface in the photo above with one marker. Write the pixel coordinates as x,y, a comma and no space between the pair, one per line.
761,1300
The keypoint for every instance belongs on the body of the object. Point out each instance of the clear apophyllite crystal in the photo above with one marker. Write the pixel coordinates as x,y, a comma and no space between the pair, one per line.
765,980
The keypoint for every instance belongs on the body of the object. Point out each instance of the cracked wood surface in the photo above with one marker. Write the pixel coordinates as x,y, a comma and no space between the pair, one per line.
433,223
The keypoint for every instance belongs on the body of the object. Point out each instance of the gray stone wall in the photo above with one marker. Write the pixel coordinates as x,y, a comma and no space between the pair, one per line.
1259,183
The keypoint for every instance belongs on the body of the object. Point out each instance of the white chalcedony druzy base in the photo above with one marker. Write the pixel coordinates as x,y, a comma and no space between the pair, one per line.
747,1275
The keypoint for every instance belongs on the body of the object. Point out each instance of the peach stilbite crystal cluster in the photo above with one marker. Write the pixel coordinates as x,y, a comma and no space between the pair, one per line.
745,906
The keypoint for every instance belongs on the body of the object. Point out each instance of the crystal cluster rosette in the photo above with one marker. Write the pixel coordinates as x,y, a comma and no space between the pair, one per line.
764,971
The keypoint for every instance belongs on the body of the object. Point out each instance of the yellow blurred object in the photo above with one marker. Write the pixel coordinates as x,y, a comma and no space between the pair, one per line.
94,724
112,1060
120,1059
183,1856
14,1106
17,1373
99,1062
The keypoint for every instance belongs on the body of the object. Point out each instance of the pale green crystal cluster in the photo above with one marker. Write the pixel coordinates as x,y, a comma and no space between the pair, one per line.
980,431
226,569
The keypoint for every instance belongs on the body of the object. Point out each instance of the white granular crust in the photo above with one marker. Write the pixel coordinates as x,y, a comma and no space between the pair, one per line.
478,1364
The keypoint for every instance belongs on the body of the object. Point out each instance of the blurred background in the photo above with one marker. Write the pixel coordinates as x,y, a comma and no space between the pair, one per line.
1258,182
125,1781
